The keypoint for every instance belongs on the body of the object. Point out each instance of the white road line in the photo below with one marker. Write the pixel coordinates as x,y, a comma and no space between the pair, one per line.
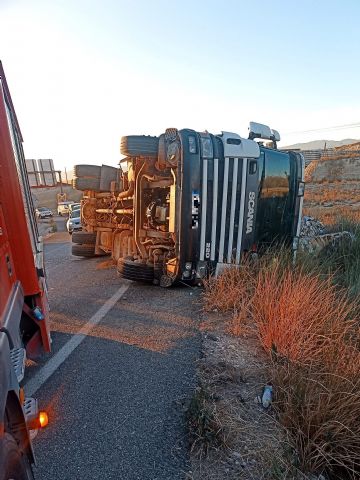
33,385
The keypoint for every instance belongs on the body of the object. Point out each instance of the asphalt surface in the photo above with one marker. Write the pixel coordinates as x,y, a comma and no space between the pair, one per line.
116,403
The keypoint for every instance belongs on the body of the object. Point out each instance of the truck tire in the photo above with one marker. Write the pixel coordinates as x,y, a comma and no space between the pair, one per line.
139,146
139,272
83,250
88,238
87,184
87,171
14,465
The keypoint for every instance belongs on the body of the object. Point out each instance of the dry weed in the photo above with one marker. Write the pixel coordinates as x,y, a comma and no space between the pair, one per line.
231,291
331,215
310,329
320,409
300,315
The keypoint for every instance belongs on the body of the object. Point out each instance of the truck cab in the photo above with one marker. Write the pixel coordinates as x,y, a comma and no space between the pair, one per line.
188,204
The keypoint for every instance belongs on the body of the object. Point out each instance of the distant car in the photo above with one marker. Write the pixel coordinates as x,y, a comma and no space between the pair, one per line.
74,206
74,222
43,212
63,208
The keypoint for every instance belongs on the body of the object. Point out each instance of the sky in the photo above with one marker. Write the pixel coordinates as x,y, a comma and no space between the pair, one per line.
83,73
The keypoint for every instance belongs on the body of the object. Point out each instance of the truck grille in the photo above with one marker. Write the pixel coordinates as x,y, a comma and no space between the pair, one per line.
222,209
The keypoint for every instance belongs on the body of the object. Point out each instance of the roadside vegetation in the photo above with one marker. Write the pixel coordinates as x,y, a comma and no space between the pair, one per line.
305,317
330,215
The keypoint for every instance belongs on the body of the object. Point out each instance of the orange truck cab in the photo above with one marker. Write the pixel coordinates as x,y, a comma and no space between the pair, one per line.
24,331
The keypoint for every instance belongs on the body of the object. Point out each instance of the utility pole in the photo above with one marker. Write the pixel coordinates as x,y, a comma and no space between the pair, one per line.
60,180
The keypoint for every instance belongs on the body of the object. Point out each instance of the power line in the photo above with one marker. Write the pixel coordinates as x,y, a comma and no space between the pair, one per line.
338,127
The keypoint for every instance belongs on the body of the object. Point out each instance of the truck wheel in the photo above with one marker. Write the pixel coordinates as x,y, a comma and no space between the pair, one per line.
87,184
139,146
83,250
84,237
14,465
139,272
87,171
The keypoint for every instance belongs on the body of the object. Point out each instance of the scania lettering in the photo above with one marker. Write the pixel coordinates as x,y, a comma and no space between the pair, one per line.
251,208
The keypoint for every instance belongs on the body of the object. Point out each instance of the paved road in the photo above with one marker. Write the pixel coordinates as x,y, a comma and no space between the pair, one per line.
115,401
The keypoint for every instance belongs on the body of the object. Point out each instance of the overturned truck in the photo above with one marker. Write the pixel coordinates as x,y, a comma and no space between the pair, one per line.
187,204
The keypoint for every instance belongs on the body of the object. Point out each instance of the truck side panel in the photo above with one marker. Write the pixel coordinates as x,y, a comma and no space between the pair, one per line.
11,199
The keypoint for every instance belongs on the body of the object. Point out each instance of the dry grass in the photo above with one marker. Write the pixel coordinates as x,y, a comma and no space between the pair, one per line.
298,314
320,409
222,293
309,328
331,216
206,423
323,195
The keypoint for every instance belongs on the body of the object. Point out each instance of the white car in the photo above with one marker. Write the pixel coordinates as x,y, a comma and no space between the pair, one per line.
63,208
74,206
74,222
43,212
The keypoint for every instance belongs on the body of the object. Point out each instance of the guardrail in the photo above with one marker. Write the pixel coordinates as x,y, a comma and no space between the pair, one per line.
311,155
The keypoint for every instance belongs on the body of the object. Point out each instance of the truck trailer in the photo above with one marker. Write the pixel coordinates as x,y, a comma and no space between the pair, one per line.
24,331
187,204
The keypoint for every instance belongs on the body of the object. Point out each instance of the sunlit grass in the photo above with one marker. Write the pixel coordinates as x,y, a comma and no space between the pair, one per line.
309,326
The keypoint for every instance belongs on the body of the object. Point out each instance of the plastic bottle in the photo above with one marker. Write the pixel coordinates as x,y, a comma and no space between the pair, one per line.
38,313
267,396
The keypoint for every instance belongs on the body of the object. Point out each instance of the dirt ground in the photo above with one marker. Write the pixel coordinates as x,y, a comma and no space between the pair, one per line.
244,439
331,199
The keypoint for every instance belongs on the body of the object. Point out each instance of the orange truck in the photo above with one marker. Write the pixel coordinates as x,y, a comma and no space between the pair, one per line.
24,331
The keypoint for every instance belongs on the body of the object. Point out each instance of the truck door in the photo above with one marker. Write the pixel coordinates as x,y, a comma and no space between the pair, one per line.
276,198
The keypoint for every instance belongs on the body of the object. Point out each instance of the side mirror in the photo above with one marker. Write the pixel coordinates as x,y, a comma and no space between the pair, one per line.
301,189
275,136
258,130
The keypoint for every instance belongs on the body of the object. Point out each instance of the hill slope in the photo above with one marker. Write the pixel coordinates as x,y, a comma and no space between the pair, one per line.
319,144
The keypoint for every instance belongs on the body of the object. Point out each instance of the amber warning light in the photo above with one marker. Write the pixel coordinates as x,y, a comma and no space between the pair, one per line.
39,421
43,419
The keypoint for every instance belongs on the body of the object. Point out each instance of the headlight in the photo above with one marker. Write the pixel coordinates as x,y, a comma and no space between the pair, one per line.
192,144
188,266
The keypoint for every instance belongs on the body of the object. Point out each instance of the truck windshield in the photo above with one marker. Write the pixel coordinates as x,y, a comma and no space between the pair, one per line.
274,220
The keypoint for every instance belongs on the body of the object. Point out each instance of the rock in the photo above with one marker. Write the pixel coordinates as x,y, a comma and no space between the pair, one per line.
310,227
212,337
330,241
